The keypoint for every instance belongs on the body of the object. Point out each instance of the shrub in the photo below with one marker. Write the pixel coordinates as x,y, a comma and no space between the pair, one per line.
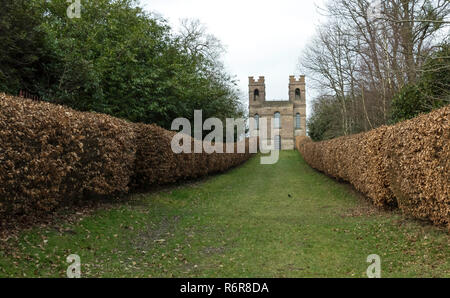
51,155
408,103
406,165
156,164
430,92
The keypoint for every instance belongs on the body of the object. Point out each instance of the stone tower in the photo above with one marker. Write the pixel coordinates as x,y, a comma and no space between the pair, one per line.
297,95
288,116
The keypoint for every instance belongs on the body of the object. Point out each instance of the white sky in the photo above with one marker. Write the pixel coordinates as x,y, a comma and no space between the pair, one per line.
261,37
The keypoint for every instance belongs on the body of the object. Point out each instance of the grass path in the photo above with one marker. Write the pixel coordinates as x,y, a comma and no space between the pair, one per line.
284,220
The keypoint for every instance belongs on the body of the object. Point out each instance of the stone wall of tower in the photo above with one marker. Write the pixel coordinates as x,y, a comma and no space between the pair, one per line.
287,109
299,102
267,110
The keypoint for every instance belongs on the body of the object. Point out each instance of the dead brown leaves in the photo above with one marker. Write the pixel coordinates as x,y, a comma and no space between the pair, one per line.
51,154
156,164
405,165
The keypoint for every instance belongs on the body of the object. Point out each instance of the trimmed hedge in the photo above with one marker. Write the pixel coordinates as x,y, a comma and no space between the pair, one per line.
50,155
156,164
406,165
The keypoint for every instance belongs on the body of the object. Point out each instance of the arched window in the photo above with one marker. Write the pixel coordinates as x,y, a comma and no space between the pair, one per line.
297,93
256,94
257,121
277,120
298,121
277,141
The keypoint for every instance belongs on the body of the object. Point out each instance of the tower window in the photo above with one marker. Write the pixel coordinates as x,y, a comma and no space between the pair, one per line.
277,120
256,94
297,93
298,121
277,141
257,121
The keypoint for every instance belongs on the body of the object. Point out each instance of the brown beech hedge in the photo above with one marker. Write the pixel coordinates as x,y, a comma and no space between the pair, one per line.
156,164
50,155
406,165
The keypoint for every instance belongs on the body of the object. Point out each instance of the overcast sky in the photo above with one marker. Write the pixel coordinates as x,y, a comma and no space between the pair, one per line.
262,37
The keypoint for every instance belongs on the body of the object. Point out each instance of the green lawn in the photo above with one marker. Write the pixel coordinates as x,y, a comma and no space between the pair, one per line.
283,220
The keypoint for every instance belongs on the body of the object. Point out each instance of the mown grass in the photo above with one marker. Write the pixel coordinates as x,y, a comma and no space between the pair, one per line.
283,220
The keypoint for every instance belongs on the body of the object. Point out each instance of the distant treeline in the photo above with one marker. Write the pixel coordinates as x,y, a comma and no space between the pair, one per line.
115,59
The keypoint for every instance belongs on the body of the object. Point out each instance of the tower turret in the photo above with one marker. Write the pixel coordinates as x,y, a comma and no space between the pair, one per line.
297,90
257,90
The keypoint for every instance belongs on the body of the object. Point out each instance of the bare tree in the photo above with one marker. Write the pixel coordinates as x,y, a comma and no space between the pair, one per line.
362,60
